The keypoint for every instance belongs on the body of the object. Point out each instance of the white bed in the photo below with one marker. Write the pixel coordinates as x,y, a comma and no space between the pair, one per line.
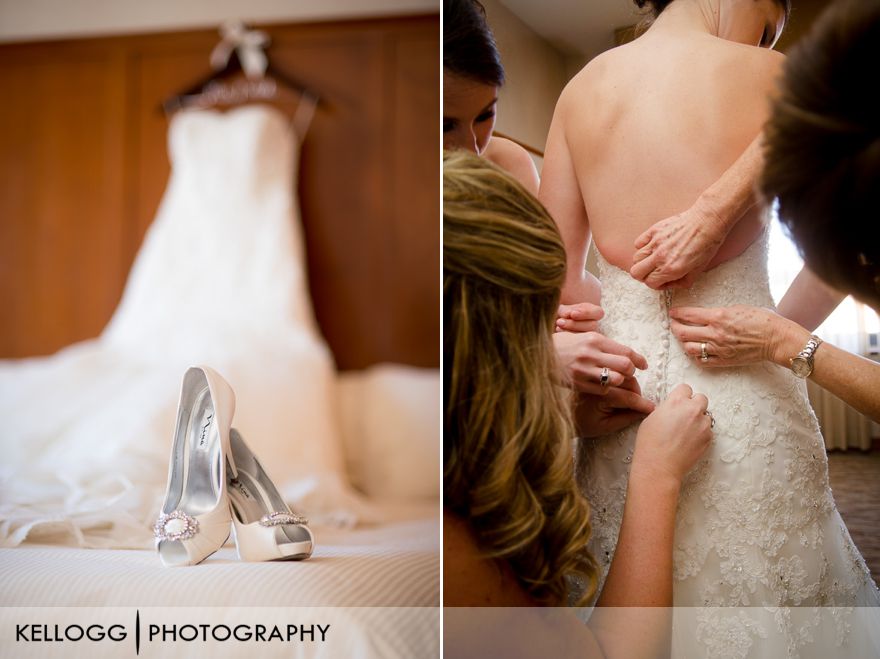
377,584
377,587
391,564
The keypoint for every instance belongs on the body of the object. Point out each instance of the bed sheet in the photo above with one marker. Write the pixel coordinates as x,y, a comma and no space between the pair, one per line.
379,585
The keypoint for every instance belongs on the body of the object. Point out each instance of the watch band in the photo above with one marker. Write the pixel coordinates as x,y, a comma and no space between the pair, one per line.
810,349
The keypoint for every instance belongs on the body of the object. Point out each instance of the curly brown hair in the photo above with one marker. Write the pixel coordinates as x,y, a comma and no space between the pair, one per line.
508,434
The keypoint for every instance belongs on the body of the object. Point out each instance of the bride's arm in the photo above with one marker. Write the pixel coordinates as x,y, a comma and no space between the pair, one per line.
561,195
809,300
582,356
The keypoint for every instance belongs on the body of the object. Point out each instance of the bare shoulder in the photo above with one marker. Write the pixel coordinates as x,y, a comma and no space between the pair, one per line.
593,74
752,65
765,62
470,579
514,159
597,85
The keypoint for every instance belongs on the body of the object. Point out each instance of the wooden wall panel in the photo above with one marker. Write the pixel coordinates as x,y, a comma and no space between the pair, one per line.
84,166
415,177
60,162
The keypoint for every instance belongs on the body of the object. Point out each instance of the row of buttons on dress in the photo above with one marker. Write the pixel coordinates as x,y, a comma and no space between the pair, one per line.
663,357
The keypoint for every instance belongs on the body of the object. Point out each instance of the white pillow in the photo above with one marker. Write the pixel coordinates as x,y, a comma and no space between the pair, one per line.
390,422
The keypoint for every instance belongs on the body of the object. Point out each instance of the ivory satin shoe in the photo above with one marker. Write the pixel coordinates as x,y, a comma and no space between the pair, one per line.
195,517
265,528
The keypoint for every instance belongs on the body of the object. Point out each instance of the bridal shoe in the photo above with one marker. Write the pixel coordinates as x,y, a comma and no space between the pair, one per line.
195,517
265,528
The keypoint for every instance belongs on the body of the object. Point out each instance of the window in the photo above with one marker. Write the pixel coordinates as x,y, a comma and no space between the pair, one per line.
852,326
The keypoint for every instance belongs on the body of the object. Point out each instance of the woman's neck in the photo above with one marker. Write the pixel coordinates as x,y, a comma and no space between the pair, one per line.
684,16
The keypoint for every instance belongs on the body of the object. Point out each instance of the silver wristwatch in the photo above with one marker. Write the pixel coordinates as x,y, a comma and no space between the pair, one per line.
802,364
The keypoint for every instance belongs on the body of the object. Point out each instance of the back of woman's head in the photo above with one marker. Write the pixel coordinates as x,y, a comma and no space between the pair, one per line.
657,6
469,48
822,148
507,429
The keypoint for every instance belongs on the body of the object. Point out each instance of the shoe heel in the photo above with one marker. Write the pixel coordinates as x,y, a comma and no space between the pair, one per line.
265,528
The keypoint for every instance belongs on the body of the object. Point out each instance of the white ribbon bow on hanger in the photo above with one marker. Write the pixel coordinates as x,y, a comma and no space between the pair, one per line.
248,43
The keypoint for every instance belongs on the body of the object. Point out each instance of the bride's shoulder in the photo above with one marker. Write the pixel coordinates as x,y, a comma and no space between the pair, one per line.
608,68
600,65
748,61
746,72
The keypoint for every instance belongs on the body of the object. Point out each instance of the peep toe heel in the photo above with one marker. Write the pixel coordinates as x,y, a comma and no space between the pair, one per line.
264,526
195,518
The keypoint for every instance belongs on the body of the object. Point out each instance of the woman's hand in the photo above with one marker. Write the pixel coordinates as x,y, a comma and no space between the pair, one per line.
673,437
738,335
582,356
674,251
618,408
582,317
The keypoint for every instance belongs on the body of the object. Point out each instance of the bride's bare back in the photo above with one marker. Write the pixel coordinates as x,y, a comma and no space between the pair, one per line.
645,128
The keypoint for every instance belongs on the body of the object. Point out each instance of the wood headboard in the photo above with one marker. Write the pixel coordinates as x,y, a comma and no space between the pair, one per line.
83,166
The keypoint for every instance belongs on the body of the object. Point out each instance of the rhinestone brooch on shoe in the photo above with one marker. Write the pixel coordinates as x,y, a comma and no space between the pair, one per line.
176,525
278,518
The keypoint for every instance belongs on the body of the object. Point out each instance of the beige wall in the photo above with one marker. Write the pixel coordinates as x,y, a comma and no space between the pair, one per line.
803,13
43,19
536,73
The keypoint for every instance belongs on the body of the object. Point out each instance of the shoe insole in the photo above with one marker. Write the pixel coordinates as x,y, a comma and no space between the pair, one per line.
201,478
252,495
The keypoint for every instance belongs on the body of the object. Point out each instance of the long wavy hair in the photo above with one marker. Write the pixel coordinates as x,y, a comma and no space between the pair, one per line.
508,433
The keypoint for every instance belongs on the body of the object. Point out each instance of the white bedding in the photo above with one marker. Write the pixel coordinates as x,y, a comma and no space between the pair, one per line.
382,582
395,564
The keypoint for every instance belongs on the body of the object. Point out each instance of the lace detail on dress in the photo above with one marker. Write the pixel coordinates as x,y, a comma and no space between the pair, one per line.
756,524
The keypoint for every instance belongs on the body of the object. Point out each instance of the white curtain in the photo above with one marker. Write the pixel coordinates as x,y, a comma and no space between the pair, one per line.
851,327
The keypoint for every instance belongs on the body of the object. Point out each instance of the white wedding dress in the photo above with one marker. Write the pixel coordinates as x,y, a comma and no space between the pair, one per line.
219,280
757,531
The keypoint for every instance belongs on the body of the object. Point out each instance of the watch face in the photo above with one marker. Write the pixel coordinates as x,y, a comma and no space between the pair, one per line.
801,367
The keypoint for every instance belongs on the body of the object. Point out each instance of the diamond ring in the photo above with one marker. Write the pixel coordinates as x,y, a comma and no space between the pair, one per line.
603,377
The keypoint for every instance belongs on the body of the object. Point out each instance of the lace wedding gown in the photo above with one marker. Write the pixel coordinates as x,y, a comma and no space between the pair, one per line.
219,280
757,531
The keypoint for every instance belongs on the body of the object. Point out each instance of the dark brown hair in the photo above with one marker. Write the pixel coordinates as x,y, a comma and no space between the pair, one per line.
657,6
822,148
469,48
